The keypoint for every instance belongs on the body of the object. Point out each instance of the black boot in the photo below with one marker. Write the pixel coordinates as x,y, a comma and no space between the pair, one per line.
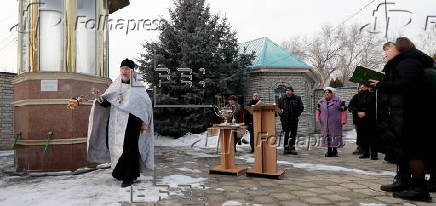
374,156
431,186
244,141
335,152
432,181
329,152
358,151
126,183
401,181
286,150
365,155
239,142
418,192
292,151
389,158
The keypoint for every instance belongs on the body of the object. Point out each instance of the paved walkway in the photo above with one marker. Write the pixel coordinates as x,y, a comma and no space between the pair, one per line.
311,179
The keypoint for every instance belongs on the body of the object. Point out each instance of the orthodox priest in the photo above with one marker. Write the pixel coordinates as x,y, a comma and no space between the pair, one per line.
120,127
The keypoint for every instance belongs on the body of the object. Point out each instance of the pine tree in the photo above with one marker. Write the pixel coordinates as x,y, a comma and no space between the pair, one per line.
192,38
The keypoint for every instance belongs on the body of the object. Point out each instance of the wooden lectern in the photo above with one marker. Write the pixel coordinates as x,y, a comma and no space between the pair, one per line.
227,142
264,125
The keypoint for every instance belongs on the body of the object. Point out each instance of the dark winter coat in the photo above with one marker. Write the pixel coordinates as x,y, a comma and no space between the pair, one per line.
292,108
364,101
401,116
249,116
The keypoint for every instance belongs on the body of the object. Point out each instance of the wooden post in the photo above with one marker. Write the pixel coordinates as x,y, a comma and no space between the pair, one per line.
228,165
265,151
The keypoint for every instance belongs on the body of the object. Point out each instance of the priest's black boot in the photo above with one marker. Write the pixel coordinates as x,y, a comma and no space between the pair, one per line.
286,150
126,183
292,151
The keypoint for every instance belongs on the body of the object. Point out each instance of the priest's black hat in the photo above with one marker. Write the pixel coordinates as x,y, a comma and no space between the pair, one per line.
129,63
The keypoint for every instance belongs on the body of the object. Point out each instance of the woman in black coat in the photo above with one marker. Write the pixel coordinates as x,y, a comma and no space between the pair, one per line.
401,117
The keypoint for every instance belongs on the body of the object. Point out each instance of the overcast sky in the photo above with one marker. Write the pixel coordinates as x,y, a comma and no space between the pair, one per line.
277,19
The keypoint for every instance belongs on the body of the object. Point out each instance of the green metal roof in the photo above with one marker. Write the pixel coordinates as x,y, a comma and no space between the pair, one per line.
269,54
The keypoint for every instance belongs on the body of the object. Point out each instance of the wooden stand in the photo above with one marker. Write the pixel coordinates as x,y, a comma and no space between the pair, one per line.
265,151
228,166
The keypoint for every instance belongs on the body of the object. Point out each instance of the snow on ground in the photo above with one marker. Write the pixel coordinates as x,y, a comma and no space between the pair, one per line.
232,203
236,203
202,155
177,180
320,167
195,140
249,158
199,140
6,153
99,188
94,188
189,170
331,168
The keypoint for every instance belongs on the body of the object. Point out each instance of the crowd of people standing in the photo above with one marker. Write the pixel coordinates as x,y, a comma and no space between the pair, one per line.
391,116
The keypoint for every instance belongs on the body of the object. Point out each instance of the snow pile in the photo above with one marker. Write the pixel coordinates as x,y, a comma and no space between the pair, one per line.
180,180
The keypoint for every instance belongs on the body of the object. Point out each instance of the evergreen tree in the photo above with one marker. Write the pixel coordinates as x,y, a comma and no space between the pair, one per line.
192,38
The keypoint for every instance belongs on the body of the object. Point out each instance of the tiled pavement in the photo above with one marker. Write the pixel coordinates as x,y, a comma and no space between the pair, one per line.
311,179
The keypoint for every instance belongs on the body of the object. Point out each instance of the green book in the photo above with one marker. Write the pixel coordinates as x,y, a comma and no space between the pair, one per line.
362,75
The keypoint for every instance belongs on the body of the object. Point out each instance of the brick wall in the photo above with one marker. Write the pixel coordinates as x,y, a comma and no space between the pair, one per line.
266,84
6,111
